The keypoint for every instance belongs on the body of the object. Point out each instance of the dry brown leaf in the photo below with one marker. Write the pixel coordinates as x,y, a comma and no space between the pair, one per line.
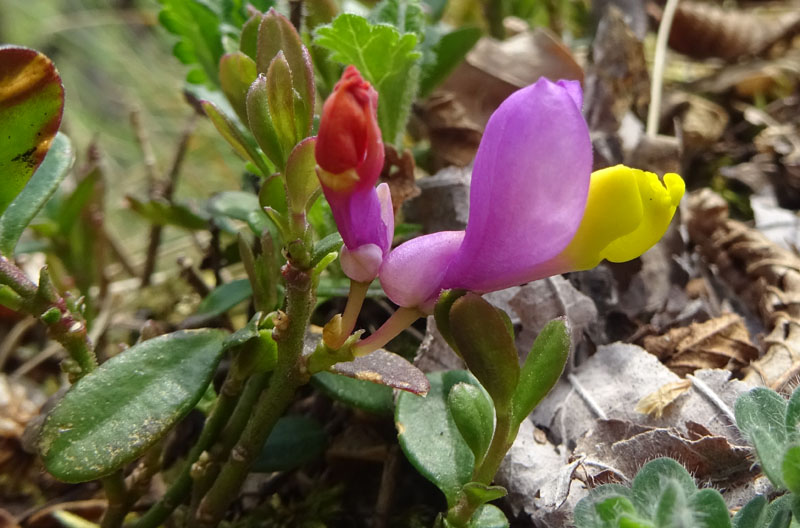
655,403
453,135
764,275
702,30
723,342
398,172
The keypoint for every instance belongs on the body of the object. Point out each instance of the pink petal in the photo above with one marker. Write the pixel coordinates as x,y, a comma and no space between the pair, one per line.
412,273
529,186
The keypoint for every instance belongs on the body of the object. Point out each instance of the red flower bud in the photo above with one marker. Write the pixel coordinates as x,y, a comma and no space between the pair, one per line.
349,148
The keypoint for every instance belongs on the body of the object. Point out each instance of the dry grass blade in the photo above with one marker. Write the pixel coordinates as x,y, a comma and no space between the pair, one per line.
764,275
702,30
655,402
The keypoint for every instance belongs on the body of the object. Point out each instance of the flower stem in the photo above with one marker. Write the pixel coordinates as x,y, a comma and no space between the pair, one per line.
342,328
289,375
401,319
118,500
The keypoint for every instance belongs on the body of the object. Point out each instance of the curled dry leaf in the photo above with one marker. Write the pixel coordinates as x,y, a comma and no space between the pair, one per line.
703,30
398,172
723,342
764,275
655,402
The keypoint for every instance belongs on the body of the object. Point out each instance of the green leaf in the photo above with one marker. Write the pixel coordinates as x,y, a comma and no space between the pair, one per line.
362,394
38,190
31,105
429,437
672,507
792,418
709,509
781,510
488,516
481,493
441,312
293,442
277,34
405,15
649,482
301,176
590,512
487,347
762,408
329,244
111,416
237,72
224,297
234,204
248,43
162,212
260,121
473,413
447,53
280,100
385,57
243,145
791,469
542,368
197,26
753,514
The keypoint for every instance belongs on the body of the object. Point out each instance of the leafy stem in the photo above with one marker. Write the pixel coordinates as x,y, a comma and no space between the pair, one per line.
289,375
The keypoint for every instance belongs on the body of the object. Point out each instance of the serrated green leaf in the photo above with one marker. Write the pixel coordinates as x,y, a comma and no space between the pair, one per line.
293,442
542,368
488,516
237,72
405,15
197,25
488,349
111,416
429,436
648,484
37,191
31,105
361,394
753,514
385,57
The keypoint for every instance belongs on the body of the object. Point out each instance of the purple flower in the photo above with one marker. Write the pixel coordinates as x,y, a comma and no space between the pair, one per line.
529,215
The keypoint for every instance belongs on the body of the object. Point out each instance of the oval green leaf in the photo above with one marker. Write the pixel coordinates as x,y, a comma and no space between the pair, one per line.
38,190
429,436
114,414
31,105
362,394
650,482
294,441
473,414
488,516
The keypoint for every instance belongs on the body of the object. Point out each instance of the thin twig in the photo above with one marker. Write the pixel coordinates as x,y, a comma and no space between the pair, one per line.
657,85
14,338
709,393
148,157
49,351
586,397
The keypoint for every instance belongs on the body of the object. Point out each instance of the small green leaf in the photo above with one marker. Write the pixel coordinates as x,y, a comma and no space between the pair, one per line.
649,482
429,437
197,26
162,212
770,452
301,176
709,509
234,204
31,105
362,394
488,516
481,493
277,34
441,313
672,507
111,416
38,190
404,15
260,121
791,469
542,368
224,297
588,513
293,442
473,413
762,408
281,103
753,514
329,244
792,419
385,57
248,42
237,72
448,52
487,347
242,145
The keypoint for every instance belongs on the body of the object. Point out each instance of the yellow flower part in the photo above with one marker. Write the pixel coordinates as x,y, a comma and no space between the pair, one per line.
627,212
